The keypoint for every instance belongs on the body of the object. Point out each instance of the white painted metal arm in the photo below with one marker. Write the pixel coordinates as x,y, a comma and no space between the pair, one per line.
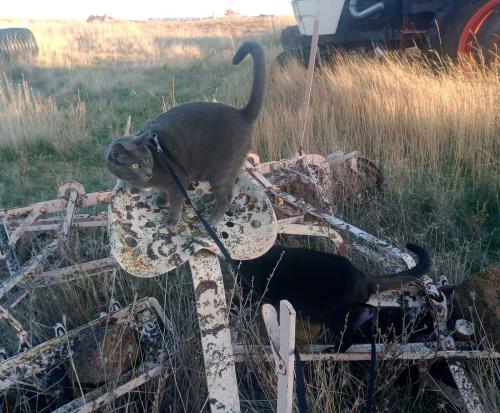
215,333
284,334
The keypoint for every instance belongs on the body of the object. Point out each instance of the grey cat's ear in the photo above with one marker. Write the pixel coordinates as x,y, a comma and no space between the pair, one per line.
117,149
142,139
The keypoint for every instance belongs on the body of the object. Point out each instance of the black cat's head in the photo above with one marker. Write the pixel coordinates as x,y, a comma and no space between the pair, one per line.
129,159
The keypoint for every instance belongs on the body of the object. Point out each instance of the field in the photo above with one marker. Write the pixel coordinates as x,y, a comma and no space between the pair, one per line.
434,133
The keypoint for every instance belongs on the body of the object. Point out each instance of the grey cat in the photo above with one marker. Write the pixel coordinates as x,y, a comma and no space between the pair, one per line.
201,141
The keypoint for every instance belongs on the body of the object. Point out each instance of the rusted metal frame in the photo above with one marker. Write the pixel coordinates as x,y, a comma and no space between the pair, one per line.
59,276
7,250
35,362
56,205
311,159
356,233
314,180
24,225
62,275
215,334
361,352
446,342
465,386
68,218
16,325
99,398
79,221
31,269
310,181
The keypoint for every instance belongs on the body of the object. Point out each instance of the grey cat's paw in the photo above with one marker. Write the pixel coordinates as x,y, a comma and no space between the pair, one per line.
172,222
214,219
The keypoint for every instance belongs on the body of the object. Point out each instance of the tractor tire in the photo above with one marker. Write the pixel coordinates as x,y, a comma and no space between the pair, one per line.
469,27
17,44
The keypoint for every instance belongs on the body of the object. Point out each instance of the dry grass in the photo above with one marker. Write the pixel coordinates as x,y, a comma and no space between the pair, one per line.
28,120
434,133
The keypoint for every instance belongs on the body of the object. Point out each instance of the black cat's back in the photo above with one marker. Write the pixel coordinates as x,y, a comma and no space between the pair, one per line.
321,286
310,280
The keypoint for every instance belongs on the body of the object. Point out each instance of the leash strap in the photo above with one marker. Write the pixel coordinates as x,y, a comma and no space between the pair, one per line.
207,226
301,387
301,390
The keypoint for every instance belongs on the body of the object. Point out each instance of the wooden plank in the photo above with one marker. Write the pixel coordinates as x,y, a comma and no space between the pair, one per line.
215,334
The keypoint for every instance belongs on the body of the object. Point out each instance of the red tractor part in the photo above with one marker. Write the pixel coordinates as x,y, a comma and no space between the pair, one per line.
484,18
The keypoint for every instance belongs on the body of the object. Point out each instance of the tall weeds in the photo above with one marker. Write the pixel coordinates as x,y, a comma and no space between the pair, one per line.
32,124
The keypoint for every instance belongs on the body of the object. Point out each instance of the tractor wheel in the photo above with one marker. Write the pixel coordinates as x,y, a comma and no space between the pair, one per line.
17,43
471,28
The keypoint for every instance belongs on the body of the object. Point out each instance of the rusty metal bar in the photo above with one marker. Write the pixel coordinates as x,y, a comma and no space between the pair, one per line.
145,316
315,231
32,268
73,272
361,352
16,325
68,218
57,205
329,218
54,222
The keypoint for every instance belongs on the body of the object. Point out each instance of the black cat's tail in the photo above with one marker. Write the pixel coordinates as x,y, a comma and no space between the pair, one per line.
252,110
393,281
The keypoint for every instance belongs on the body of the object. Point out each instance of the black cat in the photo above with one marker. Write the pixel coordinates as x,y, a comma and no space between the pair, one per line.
324,288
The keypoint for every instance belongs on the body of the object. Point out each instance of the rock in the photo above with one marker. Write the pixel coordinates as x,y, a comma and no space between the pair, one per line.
478,299
103,354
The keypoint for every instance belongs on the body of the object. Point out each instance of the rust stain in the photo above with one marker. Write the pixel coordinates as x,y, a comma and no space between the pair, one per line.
205,285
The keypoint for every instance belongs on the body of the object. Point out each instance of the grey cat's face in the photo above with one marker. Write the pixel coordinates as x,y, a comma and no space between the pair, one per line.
129,159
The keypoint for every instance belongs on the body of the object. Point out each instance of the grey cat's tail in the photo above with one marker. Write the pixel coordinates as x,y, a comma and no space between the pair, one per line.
393,281
252,110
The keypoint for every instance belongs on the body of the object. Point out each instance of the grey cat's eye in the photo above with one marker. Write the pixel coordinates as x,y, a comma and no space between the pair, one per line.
135,165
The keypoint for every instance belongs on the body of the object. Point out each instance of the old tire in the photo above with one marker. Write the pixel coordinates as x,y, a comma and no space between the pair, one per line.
17,43
469,27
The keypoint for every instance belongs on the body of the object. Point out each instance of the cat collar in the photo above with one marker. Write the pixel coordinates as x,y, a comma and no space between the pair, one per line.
155,138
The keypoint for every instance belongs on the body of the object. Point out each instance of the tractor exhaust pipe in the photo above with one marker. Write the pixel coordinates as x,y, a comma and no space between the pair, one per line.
357,14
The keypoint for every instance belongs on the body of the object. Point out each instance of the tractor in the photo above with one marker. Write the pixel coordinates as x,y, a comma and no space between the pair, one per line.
449,27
